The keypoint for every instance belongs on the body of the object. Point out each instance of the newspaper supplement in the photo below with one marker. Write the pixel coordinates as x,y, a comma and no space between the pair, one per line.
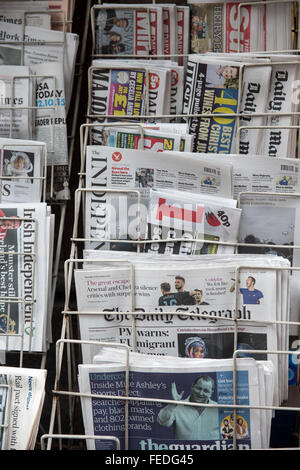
122,31
178,214
22,169
139,171
22,394
211,88
24,265
199,423
15,95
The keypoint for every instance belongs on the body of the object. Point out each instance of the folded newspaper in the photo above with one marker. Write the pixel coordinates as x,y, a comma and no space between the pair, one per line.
25,243
22,394
187,405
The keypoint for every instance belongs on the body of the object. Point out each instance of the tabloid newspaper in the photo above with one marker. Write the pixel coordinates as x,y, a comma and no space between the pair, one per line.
22,169
128,91
122,31
197,423
183,26
216,26
138,171
16,95
22,394
43,46
24,275
178,214
211,87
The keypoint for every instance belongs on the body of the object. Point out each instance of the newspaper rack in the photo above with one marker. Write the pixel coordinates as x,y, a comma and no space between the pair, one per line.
68,312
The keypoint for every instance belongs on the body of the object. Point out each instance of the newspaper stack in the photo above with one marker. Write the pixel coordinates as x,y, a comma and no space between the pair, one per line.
22,394
222,26
241,86
185,405
140,30
181,306
26,252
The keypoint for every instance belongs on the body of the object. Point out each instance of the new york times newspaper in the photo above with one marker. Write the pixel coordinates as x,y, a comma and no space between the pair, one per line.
212,87
139,171
22,393
197,423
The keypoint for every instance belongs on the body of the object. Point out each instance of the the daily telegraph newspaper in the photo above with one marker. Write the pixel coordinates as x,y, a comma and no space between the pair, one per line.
121,31
24,275
43,46
22,394
22,170
16,97
178,214
129,91
197,421
212,87
138,171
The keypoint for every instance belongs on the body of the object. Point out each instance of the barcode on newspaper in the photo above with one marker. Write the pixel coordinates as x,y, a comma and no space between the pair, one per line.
212,170
288,168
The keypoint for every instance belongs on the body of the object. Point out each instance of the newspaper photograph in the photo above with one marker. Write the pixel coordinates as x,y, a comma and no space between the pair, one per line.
122,31
22,169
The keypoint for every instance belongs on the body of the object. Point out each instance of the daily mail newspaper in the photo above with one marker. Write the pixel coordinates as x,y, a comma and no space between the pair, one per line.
16,97
22,394
212,87
22,170
24,243
178,214
121,31
139,171
163,425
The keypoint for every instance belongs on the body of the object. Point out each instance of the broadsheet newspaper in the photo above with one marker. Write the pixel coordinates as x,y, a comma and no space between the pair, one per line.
195,423
138,172
22,394
24,272
212,87
176,264
22,169
179,214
